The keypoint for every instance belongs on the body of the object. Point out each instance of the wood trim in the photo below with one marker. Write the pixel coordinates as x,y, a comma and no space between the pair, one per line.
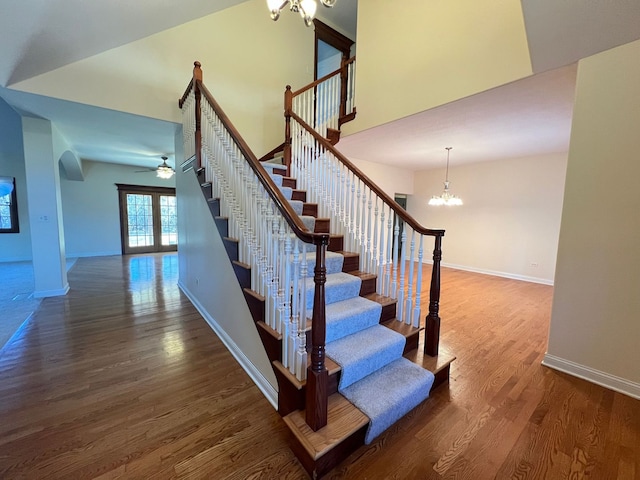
282,204
331,37
155,192
401,212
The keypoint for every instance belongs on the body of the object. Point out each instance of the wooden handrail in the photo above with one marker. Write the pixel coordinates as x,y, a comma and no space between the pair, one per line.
278,198
322,79
317,375
401,212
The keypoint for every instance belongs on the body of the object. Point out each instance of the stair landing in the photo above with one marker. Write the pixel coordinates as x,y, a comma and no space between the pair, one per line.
346,427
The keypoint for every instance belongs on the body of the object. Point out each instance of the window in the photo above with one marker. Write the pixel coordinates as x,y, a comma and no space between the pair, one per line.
148,219
8,206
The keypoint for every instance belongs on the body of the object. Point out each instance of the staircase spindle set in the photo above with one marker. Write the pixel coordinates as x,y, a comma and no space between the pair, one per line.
282,254
372,224
271,237
328,100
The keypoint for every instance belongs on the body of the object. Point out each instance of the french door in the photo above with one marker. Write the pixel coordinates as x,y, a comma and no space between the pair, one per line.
148,220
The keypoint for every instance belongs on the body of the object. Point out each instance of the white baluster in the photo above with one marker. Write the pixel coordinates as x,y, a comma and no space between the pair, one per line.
295,308
388,264
410,281
416,308
286,294
369,221
301,355
381,251
401,286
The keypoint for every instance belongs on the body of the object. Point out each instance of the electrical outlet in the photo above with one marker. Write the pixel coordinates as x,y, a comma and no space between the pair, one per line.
533,264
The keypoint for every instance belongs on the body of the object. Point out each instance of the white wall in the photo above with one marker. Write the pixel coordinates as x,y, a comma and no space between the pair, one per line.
90,208
509,220
247,61
14,246
414,55
595,326
389,178
207,277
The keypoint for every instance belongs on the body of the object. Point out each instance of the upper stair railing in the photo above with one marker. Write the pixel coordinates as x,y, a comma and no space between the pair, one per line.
271,237
389,240
329,101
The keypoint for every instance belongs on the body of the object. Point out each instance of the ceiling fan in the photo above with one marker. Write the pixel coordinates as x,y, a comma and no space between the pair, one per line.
163,170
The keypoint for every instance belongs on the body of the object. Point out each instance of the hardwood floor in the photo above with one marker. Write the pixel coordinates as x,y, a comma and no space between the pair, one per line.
122,378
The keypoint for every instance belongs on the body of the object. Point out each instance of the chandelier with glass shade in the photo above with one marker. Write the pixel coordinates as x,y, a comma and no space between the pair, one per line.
447,198
164,171
306,8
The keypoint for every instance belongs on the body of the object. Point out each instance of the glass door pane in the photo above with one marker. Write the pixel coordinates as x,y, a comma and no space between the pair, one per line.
139,220
168,220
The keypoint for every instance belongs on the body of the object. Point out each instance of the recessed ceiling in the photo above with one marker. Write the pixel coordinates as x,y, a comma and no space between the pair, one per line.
524,118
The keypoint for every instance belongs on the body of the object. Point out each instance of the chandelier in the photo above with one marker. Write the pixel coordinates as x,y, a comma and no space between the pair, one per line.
446,198
164,171
306,8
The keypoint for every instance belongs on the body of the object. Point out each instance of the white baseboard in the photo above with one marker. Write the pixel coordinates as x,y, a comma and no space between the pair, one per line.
51,293
495,273
94,254
265,387
592,375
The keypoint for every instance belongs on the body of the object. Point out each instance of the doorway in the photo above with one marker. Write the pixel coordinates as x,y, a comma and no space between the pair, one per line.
148,219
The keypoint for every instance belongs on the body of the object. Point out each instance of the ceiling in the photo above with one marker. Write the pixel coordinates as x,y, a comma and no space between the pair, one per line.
528,117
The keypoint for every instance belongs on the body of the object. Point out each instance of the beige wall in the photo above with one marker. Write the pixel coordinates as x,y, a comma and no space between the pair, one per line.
509,220
247,61
389,178
595,324
414,55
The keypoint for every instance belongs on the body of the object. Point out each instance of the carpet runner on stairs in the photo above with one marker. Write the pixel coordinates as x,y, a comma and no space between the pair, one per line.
297,205
375,377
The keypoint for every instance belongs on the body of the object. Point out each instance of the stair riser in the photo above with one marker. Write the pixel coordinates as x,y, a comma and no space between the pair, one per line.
231,246
291,398
323,225
243,274
207,190
289,182
214,206
223,226
310,209
316,468
368,286
351,263
299,195
336,243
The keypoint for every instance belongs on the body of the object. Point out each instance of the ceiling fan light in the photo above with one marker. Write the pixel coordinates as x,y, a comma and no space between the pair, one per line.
164,171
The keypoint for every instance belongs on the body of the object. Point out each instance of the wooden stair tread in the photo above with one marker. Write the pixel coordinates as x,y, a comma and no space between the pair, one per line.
270,330
363,275
331,366
255,294
401,327
433,364
343,420
381,299
241,264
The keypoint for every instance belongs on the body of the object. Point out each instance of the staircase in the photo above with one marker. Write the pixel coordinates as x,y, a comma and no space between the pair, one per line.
341,325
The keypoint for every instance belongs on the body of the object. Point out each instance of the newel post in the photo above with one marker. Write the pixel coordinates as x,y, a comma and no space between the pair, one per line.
432,327
288,107
197,81
344,79
317,376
